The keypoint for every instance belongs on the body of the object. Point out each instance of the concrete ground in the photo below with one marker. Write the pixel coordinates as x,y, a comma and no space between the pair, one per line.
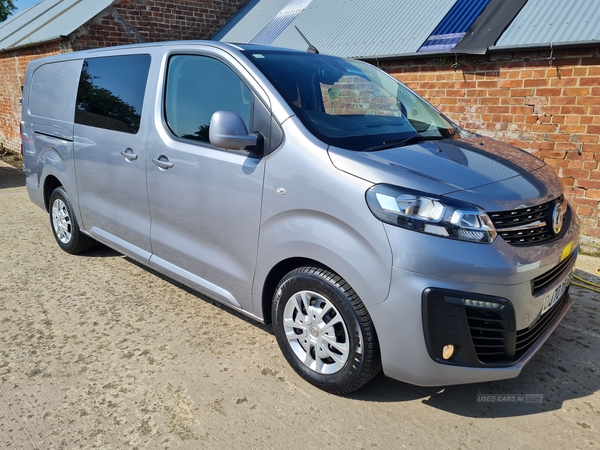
99,352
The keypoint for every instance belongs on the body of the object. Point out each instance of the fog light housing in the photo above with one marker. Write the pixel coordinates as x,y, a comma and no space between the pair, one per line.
448,351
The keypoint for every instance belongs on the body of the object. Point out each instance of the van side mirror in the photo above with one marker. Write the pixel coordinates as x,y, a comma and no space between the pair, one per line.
228,130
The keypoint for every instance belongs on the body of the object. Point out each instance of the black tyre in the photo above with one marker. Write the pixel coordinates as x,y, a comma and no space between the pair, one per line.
324,330
64,224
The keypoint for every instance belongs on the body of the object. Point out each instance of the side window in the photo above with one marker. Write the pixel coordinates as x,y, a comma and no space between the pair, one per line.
197,87
111,92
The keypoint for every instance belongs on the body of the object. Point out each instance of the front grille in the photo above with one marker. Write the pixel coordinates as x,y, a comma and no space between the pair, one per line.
488,331
539,283
526,226
529,336
494,343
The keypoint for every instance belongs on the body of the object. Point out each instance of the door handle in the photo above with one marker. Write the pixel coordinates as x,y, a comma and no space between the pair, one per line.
129,155
162,162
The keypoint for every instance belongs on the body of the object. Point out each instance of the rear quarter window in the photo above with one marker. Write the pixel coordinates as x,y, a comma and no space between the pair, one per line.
52,93
111,92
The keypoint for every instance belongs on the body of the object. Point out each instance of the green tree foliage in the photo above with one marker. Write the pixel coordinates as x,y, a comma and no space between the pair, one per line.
200,135
6,8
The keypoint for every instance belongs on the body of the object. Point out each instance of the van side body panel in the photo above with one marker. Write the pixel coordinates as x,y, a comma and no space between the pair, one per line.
326,221
48,107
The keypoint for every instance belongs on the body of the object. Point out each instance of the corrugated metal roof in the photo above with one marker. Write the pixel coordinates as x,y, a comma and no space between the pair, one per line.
351,28
281,21
48,21
461,16
488,27
250,21
556,21
454,26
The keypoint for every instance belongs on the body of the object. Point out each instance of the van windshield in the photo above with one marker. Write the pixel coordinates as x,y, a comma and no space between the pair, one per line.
348,103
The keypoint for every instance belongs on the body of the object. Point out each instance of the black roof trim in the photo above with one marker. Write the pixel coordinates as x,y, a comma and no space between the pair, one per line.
489,26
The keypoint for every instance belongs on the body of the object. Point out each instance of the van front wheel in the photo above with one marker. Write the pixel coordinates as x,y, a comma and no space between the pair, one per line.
64,224
324,330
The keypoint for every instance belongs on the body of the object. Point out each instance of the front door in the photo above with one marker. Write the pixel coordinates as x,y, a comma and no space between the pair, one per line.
205,202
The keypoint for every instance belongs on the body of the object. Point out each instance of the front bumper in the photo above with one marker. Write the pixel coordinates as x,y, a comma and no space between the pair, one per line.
423,311
404,351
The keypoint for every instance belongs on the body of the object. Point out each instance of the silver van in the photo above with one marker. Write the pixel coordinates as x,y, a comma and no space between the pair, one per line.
308,191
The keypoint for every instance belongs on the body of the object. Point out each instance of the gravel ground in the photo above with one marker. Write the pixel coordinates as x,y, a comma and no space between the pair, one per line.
99,352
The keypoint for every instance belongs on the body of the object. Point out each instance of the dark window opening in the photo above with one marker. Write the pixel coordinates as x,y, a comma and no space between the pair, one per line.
111,92
197,87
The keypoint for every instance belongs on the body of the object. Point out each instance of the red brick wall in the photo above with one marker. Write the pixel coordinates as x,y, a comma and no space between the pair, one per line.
133,21
549,107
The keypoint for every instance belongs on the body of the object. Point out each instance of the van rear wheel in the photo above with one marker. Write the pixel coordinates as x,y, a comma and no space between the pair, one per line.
324,330
64,224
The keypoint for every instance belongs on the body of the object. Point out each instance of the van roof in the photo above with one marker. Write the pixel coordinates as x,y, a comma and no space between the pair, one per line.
231,47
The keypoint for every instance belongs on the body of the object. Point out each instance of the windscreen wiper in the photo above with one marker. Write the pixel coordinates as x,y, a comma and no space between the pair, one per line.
402,142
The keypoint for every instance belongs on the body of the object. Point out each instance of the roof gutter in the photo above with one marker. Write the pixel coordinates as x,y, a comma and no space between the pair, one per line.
419,55
543,46
15,48
504,48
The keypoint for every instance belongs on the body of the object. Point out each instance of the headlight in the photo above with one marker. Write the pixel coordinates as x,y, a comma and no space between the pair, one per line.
426,213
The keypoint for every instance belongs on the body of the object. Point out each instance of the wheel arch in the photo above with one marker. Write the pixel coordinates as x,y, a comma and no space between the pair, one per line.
276,274
50,183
